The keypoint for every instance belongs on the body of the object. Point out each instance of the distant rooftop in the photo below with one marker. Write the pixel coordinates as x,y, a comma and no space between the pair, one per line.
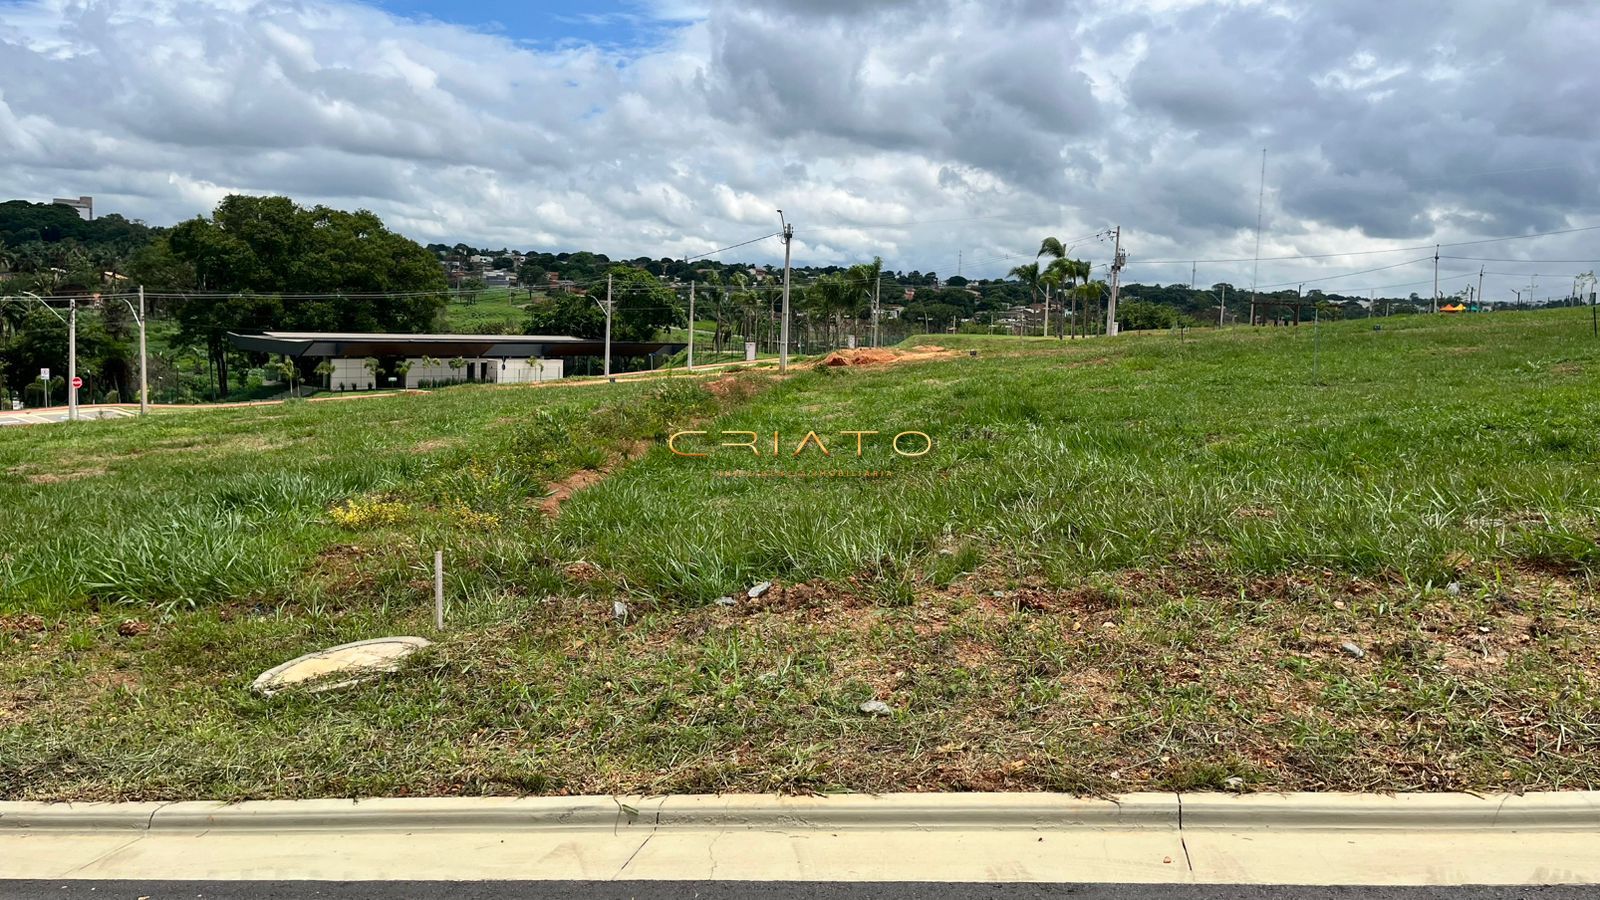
420,338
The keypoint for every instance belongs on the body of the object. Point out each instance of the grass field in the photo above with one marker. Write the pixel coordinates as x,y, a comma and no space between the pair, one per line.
495,310
1122,565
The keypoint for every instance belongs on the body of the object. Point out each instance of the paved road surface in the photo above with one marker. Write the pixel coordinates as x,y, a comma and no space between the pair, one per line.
741,890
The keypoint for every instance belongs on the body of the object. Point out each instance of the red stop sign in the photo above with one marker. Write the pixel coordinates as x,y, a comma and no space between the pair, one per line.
77,382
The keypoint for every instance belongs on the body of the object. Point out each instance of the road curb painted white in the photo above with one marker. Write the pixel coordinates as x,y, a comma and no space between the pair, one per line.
1576,811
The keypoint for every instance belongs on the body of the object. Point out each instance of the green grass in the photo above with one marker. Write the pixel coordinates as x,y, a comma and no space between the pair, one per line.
184,509
498,311
1418,446
1124,565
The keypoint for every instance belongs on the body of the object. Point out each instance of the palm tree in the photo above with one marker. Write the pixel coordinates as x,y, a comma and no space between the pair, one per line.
1066,274
863,279
1029,275
1071,271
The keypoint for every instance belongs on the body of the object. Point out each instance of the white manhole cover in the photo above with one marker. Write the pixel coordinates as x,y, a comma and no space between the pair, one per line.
357,662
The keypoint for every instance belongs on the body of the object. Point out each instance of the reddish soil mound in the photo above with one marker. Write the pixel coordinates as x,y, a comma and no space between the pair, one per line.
870,356
860,357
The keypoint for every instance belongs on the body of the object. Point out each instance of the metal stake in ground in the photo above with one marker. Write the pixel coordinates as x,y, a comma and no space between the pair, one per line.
438,589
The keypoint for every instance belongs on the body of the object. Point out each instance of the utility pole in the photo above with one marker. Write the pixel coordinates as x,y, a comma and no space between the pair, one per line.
608,326
144,361
1480,287
691,323
72,359
783,349
1261,196
1222,308
876,308
1435,277
1118,258
1047,310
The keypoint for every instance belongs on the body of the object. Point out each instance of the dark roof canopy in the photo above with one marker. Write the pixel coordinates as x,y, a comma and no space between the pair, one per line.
351,345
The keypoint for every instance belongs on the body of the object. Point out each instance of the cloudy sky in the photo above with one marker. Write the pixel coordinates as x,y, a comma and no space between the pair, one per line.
935,133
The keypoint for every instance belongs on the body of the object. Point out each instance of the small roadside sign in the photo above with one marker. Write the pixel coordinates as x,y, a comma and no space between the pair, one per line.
77,382
44,374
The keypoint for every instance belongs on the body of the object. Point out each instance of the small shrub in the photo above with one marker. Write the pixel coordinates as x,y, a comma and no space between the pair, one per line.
358,513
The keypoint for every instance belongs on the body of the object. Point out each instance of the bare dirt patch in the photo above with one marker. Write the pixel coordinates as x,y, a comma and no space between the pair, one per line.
562,489
877,356
31,475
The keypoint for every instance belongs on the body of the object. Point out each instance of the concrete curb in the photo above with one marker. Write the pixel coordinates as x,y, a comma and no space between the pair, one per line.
1562,811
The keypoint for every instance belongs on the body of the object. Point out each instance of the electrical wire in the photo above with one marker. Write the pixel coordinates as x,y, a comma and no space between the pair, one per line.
733,246
1516,237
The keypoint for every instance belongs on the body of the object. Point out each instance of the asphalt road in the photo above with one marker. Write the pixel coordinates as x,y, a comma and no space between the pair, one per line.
743,890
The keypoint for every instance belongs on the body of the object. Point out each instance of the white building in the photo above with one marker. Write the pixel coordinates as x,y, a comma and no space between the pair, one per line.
365,362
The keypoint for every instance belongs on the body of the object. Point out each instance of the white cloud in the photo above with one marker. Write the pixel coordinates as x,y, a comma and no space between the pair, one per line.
1019,118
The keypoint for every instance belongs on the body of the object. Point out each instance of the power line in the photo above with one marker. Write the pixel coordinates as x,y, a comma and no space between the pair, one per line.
1511,259
1518,237
732,247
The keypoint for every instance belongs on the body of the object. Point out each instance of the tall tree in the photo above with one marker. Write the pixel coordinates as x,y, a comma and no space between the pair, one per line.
1067,272
1028,274
289,267
643,307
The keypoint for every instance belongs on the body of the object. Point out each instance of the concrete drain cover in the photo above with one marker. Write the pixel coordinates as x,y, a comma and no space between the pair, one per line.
357,662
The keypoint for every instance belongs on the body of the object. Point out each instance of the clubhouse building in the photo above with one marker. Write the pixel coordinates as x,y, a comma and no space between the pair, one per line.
427,360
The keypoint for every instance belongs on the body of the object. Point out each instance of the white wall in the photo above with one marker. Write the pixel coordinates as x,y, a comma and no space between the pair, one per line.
522,371
354,375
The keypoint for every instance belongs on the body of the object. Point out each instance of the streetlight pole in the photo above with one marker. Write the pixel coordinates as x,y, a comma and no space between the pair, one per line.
72,359
144,362
608,326
72,350
691,322
783,348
